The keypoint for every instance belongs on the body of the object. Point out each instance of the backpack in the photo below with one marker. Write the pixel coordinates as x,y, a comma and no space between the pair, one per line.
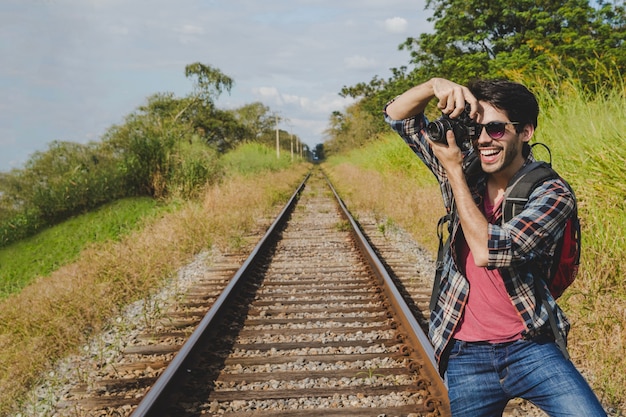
567,253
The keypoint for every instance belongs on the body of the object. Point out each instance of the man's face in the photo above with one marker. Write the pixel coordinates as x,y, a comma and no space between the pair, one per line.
504,154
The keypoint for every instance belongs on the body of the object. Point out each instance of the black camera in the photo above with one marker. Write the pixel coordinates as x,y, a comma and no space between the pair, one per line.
464,128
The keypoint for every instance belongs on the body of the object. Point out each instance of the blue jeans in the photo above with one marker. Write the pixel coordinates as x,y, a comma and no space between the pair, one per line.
483,377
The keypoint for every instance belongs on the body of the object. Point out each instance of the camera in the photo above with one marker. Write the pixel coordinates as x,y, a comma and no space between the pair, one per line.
464,128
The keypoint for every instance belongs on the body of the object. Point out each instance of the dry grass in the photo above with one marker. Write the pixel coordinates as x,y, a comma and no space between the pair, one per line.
55,315
391,197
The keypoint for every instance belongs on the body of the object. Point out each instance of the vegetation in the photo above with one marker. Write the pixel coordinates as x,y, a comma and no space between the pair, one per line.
574,39
39,255
168,147
76,300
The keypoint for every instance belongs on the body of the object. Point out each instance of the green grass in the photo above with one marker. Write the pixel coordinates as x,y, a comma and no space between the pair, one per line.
24,261
252,158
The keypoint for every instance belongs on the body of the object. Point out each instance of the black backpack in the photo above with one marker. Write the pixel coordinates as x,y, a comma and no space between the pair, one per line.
568,249
565,270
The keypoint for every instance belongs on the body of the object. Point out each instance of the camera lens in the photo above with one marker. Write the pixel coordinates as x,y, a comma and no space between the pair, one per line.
437,130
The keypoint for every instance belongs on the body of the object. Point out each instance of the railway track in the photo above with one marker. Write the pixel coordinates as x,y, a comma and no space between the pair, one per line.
313,323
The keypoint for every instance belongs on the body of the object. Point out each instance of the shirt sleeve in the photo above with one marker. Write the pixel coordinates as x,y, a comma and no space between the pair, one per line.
531,236
412,131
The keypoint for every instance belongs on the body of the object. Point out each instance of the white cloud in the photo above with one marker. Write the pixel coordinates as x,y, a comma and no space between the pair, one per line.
359,62
191,30
268,93
396,25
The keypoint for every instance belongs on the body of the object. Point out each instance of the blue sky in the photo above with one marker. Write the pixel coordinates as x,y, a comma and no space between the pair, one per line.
70,69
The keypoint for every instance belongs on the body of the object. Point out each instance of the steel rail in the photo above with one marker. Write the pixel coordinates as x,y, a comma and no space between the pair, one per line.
151,404
400,306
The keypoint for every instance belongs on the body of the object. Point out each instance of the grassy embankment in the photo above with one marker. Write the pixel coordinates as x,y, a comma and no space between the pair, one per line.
586,136
51,315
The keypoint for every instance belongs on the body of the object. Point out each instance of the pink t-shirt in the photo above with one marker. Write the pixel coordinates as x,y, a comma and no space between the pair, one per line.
489,314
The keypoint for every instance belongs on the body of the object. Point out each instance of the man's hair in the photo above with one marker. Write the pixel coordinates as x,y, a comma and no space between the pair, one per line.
515,99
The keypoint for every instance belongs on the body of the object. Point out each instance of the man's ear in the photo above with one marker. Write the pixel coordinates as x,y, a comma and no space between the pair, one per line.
528,132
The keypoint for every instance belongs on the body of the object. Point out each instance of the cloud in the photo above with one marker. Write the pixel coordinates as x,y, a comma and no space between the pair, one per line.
396,25
359,62
324,104
268,93
189,33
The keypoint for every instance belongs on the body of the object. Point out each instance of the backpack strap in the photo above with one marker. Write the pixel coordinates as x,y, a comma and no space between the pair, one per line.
443,248
522,185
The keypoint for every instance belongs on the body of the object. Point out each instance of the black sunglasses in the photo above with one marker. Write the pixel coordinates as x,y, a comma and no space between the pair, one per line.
495,130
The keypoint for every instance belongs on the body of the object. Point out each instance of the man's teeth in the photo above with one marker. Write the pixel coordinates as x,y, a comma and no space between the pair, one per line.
489,152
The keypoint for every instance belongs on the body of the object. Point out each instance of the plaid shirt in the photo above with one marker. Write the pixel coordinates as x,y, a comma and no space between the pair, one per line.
524,244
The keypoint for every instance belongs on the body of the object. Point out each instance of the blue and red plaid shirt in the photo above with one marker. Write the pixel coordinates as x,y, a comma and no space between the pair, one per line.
524,244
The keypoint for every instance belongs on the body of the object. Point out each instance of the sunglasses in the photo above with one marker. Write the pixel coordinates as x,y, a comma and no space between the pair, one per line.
495,130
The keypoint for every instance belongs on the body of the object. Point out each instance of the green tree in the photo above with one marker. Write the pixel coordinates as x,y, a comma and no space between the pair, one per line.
474,38
256,118
209,82
518,39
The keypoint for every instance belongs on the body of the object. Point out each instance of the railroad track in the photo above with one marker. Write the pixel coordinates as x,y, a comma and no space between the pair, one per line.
313,323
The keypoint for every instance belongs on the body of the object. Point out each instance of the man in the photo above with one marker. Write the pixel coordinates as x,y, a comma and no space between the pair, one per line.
487,328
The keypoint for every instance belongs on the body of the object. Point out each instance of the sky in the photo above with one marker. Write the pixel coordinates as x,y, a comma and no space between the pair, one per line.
71,69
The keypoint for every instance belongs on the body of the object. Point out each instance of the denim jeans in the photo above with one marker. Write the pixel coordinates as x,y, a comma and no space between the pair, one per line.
483,377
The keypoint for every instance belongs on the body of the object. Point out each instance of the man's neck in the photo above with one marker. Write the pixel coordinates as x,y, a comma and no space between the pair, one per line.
497,182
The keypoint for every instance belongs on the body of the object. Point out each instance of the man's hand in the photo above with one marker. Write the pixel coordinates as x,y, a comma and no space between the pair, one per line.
450,95
449,155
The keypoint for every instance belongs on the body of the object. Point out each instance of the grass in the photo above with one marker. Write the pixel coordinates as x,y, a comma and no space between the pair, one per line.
398,187
56,313
586,137
252,158
23,261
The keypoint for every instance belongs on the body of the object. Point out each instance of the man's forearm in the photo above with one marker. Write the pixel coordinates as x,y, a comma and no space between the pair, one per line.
412,102
473,222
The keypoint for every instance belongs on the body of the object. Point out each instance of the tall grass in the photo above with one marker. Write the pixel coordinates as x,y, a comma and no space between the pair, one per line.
586,135
251,158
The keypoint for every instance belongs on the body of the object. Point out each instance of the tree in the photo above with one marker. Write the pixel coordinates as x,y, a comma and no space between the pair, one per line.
209,82
518,39
256,118
474,38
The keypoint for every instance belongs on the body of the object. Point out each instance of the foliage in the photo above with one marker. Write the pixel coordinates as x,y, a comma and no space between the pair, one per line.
575,39
477,39
56,184
350,129
193,166
256,118
209,82
167,146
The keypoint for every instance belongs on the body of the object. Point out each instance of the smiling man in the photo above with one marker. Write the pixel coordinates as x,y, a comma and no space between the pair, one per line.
490,333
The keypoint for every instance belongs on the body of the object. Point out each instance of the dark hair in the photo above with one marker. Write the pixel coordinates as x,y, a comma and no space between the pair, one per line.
513,98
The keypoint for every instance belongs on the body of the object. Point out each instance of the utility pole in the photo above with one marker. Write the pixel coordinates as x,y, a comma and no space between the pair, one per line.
277,139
